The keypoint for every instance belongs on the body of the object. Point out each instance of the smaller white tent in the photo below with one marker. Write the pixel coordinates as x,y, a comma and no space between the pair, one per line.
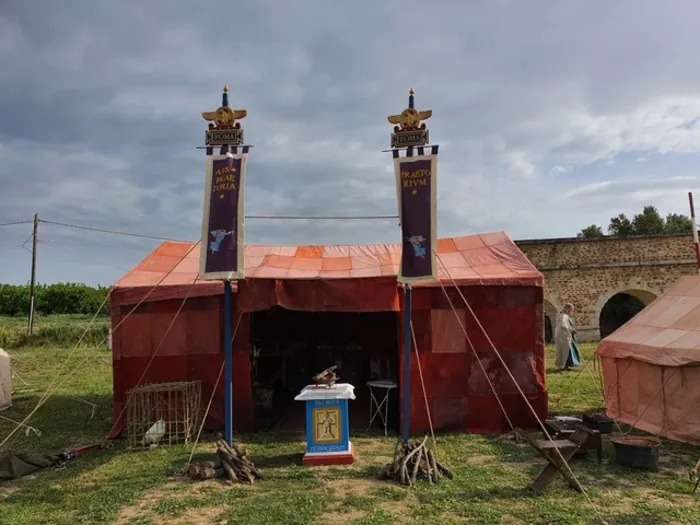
5,381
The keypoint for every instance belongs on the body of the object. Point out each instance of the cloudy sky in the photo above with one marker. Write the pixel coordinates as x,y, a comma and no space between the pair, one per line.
551,115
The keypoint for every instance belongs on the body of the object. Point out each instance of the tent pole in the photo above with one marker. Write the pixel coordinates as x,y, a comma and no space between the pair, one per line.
228,365
695,229
406,363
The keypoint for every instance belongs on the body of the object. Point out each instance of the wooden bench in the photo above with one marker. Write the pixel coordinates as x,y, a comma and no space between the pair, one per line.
548,450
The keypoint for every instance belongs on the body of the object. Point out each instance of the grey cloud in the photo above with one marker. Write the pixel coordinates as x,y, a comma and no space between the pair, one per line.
100,110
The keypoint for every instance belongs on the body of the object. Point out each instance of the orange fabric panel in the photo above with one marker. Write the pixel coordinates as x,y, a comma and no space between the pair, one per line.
204,332
448,334
350,295
488,259
634,396
168,333
666,333
134,335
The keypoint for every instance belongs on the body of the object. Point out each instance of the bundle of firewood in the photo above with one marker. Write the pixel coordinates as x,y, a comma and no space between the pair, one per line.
230,462
414,461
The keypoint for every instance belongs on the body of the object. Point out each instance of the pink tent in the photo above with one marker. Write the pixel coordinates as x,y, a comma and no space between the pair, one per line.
651,365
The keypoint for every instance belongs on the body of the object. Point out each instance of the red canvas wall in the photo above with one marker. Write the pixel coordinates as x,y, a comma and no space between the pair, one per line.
192,350
459,395
503,287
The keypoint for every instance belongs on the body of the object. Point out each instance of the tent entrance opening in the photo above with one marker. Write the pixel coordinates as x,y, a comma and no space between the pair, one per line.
289,347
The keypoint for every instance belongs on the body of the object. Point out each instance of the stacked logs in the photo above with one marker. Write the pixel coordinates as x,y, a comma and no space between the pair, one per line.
414,461
231,462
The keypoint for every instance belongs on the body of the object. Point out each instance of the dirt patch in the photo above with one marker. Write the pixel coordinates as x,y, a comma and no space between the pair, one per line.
174,489
199,516
480,460
352,486
397,509
340,517
6,492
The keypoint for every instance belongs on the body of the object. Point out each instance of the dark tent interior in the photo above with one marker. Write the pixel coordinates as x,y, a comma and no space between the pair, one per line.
289,347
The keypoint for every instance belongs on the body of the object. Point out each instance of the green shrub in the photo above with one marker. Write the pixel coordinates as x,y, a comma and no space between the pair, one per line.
12,337
69,334
51,299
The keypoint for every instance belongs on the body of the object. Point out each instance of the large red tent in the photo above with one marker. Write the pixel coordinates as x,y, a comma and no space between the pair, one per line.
502,286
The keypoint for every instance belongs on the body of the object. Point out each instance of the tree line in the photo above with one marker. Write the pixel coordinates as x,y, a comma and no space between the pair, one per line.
648,222
51,299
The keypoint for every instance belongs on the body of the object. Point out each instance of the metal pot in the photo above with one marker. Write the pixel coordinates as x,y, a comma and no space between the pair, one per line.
637,452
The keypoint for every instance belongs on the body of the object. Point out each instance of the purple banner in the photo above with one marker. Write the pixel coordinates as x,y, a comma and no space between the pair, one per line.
416,187
222,225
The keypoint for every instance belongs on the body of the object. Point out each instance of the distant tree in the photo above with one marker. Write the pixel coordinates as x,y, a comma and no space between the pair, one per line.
649,222
591,232
676,223
620,225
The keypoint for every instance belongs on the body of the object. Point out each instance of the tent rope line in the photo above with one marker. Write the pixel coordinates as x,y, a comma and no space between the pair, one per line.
425,393
476,355
153,356
211,398
47,393
527,401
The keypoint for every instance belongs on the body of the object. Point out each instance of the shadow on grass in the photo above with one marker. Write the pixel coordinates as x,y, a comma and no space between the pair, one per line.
63,421
279,461
499,493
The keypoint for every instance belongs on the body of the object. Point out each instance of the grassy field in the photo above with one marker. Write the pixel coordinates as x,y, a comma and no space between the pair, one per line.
51,330
129,488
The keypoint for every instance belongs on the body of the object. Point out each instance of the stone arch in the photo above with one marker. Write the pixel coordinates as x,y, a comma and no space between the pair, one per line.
616,307
550,316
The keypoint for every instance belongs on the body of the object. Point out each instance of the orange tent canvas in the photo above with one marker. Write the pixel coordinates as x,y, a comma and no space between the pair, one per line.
501,284
651,365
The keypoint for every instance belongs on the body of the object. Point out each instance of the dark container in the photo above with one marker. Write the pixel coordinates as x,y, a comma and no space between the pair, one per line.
598,421
637,452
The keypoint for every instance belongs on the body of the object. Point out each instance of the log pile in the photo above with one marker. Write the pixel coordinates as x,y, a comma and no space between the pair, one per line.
230,462
414,461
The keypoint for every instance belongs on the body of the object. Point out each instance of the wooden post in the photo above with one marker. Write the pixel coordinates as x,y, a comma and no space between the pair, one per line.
32,285
406,416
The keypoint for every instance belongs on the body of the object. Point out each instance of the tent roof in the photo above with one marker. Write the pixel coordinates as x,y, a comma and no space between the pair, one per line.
488,259
667,332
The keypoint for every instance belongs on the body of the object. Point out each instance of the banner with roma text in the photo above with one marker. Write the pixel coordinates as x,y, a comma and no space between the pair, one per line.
222,251
416,186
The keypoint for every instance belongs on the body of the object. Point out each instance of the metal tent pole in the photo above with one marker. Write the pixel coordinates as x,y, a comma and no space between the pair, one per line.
695,229
406,363
228,365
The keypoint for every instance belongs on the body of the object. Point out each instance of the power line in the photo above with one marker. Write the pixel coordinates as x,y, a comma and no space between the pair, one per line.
14,223
263,217
322,217
114,232
13,246
90,259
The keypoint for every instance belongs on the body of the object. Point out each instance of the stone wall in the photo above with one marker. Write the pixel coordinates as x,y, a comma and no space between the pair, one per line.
588,272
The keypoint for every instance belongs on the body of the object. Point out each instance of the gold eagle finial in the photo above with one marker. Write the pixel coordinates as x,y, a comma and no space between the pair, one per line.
410,118
224,117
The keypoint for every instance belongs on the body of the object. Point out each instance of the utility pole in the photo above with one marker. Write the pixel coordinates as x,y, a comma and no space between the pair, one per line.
32,286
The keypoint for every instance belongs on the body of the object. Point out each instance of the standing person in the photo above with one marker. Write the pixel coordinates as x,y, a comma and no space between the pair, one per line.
567,355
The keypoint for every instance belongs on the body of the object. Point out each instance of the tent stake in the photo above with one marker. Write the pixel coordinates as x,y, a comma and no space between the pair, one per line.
406,363
228,366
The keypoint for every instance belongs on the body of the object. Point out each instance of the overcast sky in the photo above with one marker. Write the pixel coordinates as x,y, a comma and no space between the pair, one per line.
550,115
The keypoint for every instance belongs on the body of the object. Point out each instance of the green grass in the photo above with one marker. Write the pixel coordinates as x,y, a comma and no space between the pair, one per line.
128,487
53,330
